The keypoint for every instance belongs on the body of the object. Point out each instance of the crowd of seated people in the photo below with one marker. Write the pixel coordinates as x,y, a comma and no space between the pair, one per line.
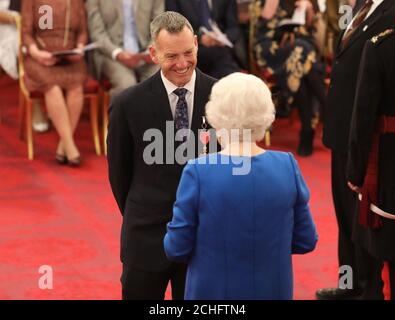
290,53
214,57
296,58
122,30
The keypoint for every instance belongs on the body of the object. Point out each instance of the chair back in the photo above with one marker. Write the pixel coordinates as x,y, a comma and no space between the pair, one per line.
21,56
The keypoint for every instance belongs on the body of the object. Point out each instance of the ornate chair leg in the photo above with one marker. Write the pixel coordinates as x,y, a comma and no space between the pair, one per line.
29,129
22,112
93,101
267,138
106,101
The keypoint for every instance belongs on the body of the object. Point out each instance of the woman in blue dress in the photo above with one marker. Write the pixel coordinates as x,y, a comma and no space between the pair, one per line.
240,214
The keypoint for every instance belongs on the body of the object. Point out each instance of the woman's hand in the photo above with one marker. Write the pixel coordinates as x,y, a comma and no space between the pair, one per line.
79,56
128,59
209,41
41,56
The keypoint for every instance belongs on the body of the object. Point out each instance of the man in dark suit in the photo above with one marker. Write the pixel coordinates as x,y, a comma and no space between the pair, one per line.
371,17
372,150
172,99
214,58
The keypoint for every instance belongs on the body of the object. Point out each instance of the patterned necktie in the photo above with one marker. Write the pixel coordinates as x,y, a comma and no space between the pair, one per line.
359,19
181,115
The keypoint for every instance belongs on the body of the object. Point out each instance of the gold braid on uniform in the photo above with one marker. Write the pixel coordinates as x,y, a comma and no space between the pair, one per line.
377,39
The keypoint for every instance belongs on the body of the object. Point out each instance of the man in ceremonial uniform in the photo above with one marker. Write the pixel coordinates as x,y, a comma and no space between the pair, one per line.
371,167
370,18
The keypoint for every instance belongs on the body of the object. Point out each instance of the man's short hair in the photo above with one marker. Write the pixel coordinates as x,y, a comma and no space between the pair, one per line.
170,21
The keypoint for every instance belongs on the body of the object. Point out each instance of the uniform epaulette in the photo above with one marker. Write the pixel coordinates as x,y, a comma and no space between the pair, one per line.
383,35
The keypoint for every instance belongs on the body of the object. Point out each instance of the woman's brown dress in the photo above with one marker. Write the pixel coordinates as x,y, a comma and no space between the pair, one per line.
69,30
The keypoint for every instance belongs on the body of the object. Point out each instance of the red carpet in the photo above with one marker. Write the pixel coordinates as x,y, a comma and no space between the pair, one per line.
66,218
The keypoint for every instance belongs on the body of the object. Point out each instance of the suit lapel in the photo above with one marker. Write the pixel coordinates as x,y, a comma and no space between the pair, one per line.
199,103
160,104
162,108
161,111
340,38
365,26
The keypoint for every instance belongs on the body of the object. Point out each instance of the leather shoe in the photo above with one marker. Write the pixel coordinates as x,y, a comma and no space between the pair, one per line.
306,142
61,159
76,162
337,294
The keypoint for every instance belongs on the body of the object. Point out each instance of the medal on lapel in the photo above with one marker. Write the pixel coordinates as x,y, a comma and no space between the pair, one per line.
204,136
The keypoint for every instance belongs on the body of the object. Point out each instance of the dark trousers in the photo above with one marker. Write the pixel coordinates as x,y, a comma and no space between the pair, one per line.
304,102
366,270
312,88
151,285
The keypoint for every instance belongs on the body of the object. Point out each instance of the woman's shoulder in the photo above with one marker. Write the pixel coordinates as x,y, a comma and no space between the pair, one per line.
280,155
211,158
279,159
269,157
217,158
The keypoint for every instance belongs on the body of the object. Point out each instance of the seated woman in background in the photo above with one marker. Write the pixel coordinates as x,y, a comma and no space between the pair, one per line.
237,230
9,40
61,80
9,46
290,54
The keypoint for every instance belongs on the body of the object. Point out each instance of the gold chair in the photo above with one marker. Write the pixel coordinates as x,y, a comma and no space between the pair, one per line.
105,87
26,98
8,19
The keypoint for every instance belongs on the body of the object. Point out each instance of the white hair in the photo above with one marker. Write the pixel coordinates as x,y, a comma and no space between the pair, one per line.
241,101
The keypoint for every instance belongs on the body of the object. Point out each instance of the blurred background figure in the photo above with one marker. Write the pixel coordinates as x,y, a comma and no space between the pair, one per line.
61,80
214,57
121,27
9,43
326,25
289,52
9,46
238,232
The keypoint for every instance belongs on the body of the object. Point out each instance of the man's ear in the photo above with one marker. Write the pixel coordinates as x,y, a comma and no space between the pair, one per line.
153,54
196,42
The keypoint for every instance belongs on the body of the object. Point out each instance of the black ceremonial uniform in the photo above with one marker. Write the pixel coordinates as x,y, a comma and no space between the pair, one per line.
372,149
337,121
